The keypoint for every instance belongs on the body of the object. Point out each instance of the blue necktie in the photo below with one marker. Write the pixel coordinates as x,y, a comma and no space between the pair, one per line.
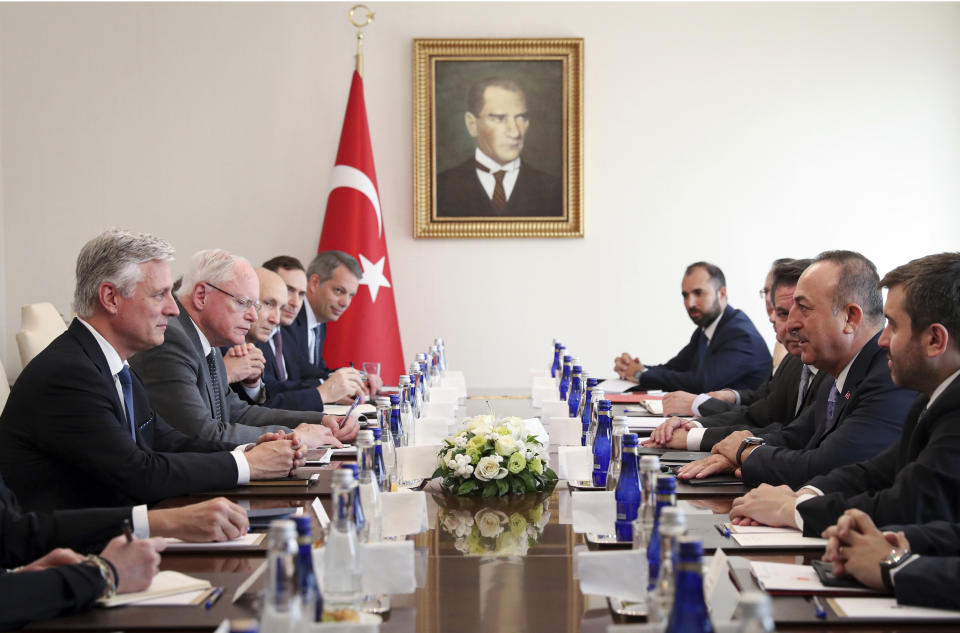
831,404
215,385
317,344
278,355
126,385
805,375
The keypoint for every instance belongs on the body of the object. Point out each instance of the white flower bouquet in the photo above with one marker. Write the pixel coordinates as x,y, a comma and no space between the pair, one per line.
494,459
503,529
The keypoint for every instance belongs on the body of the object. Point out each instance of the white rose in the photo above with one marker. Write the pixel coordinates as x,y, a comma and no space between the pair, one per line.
490,522
506,445
489,468
479,425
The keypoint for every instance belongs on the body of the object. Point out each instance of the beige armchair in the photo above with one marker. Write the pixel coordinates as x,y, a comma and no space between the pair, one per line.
40,323
4,387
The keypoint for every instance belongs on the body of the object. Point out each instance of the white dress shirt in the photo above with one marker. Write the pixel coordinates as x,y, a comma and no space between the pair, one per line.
488,182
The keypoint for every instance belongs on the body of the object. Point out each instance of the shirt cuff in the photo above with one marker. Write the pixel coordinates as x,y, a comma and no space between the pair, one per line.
141,522
243,467
694,437
736,395
695,407
253,392
796,512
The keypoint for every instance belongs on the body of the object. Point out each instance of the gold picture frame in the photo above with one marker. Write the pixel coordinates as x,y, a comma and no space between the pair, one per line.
528,97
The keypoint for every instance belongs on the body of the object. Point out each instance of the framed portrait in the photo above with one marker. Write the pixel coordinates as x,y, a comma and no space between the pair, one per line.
498,137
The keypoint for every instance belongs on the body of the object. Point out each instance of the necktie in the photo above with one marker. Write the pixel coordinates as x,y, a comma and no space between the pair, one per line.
278,353
805,375
702,349
215,385
317,344
499,193
126,385
831,404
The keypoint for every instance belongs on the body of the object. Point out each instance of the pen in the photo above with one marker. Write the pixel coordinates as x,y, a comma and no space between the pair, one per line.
128,530
356,402
818,607
723,529
214,596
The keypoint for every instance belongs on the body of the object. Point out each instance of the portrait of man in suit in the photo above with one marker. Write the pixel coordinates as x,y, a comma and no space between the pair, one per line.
498,179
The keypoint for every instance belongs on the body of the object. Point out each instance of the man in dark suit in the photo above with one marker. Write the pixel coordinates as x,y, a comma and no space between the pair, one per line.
784,397
270,391
919,564
186,378
332,281
917,479
494,182
60,581
724,351
78,429
837,315
781,278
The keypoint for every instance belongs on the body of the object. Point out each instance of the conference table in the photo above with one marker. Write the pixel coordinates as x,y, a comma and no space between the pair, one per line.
529,587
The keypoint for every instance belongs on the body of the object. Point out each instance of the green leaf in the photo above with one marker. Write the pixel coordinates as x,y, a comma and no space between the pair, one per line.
502,487
549,474
489,490
467,487
516,486
437,473
528,481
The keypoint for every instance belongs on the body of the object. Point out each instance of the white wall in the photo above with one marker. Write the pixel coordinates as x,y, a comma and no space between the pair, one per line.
735,133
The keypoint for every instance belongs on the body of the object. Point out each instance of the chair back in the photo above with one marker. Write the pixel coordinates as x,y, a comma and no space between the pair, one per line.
40,323
4,387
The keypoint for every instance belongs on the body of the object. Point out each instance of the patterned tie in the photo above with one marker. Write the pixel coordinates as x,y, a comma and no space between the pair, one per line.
832,404
215,385
317,344
126,385
278,353
499,193
805,375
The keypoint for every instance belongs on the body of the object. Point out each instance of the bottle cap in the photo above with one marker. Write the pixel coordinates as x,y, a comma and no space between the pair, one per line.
691,549
352,468
605,405
281,530
598,395
414,368
394,399
403,380
567,359
383,402
421,357
557,344
672,517
377,433
630,439
438,341
620,425
592,382
666,484
365,438
577,368
650,463
342,477
303,524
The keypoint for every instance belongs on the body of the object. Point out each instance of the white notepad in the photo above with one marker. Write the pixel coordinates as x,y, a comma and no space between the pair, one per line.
247,540
166,583
887,609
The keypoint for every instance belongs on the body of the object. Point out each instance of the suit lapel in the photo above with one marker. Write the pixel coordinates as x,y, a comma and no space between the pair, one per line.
858,371
92,349
191,331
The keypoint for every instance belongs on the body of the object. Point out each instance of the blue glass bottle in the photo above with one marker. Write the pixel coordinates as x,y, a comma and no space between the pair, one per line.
414,397
689,614
311,601
396,427
627,494
586,409
565,377
576,391
358,516
601,445
379,468
666,496
557,352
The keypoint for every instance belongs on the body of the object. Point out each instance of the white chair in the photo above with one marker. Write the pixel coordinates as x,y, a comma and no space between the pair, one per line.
40,323
4,387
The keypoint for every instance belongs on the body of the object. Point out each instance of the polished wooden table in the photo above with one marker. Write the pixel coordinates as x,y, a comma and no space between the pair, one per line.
498,586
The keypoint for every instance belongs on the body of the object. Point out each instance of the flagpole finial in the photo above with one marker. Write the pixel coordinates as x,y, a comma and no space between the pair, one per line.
359,23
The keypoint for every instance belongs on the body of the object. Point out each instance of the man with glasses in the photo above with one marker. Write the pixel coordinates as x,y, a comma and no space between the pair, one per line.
186,377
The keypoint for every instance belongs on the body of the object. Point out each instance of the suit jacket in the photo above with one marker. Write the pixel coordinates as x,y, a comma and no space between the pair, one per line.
178,381
298,357
29,596
868,418
914,481
460,194
736,357
771,412
65,439
713,406
298,395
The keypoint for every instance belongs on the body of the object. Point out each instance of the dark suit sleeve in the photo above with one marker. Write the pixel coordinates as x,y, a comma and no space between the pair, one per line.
38,595
713,406
929,581
937,538
870,426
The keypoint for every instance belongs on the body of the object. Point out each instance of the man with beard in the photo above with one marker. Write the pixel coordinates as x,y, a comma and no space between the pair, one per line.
724,351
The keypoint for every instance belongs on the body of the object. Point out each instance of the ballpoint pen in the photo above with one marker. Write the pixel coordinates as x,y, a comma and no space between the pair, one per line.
128,530
723,529
213,597
818,607
356,403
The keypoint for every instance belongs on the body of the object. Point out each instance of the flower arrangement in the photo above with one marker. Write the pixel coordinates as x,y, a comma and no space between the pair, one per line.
504,529
493,460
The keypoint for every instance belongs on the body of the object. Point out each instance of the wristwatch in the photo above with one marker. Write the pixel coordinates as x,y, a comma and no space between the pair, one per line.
893,560
748,441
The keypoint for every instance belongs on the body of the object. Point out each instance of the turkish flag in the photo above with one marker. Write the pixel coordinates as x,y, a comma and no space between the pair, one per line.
353,223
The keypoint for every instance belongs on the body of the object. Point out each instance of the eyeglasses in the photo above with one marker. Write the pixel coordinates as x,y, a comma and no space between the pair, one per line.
245,303
763,292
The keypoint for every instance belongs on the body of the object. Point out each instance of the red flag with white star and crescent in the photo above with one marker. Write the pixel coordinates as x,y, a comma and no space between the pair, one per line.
353,223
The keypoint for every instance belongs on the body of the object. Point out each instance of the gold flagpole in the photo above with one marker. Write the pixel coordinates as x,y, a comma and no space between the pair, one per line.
354,15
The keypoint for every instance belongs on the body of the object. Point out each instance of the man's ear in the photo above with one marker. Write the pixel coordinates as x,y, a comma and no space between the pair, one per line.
109,297
935,340
199,296
722,293
471,121
854,318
